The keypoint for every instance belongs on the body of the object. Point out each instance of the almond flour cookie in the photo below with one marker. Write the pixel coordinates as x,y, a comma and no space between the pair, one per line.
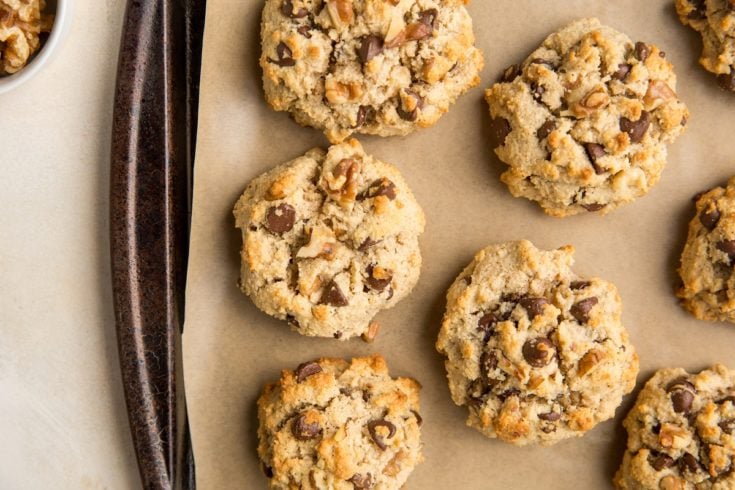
715,21
681,433
333,424
536,353
379,67
584,121
708,289
329,239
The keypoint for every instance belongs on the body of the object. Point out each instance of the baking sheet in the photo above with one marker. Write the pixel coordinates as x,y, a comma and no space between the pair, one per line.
231,349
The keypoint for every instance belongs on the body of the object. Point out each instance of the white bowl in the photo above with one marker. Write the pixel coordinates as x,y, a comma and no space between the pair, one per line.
48,49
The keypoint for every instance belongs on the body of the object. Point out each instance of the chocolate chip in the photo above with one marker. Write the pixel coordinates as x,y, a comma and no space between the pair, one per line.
292,321
499,131
538,91
593,207
303,430
595,151
488,363
377,439
428,17
365,114
288,10
581,310
538,352
727,426
369,242
378,284
267,470
362,482
700,10
722,295
337,334
307,369
546,129
370,47
285,56
682,394
622,72
534,306
333,296
419,420
727,246
511,297
541,61
727,81
636,129
660,461
413,115
709,218
688,463
580,284
381,187
487,324
550,417
304,31
510,74
642,51
280,219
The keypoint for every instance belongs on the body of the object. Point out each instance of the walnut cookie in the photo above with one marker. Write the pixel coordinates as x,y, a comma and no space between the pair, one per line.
21,23
537,354
584,121
681,433
333,424
715,21
380,67
708,278
329,240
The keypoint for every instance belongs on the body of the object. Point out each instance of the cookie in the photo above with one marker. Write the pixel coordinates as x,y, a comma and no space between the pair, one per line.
715,21
708,279
329,240
584,122
367,66
536,353
681,433
333,424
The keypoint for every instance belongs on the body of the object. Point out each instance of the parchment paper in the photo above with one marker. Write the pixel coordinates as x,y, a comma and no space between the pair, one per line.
231,349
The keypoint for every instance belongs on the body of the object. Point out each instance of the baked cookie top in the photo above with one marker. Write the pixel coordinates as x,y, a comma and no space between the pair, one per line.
715,21
333,424
708,278
380,67
329,239
536,353
681,433
584,121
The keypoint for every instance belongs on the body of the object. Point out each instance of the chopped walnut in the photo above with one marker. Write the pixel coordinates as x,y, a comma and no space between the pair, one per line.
372,332
593,101
322,243
673,436
341,12
341,183
658,93
21,22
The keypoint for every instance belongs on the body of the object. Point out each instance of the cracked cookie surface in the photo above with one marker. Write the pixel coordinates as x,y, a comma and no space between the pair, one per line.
382,67
333,424
681,433
715,21
708,278
329,240
584,121
536,353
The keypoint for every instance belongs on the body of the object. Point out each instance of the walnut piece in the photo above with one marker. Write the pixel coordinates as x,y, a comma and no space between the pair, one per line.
21,22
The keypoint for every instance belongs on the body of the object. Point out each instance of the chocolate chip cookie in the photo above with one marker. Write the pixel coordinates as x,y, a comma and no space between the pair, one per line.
329,239
536,353
584,121
715,21
333,424
367,66
708,278
681,433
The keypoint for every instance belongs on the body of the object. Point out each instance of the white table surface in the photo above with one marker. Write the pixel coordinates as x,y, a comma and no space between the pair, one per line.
62,414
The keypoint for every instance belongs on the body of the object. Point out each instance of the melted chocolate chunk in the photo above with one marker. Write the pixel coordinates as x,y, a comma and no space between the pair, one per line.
280,219
362,482
538,352
709,218
642,51
546,129
636,130
622,72
581,310
288,10
333,296
510,74
499,131
534,306
682,394
377,438
375,283
370,47
285,56
307,369
304,431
